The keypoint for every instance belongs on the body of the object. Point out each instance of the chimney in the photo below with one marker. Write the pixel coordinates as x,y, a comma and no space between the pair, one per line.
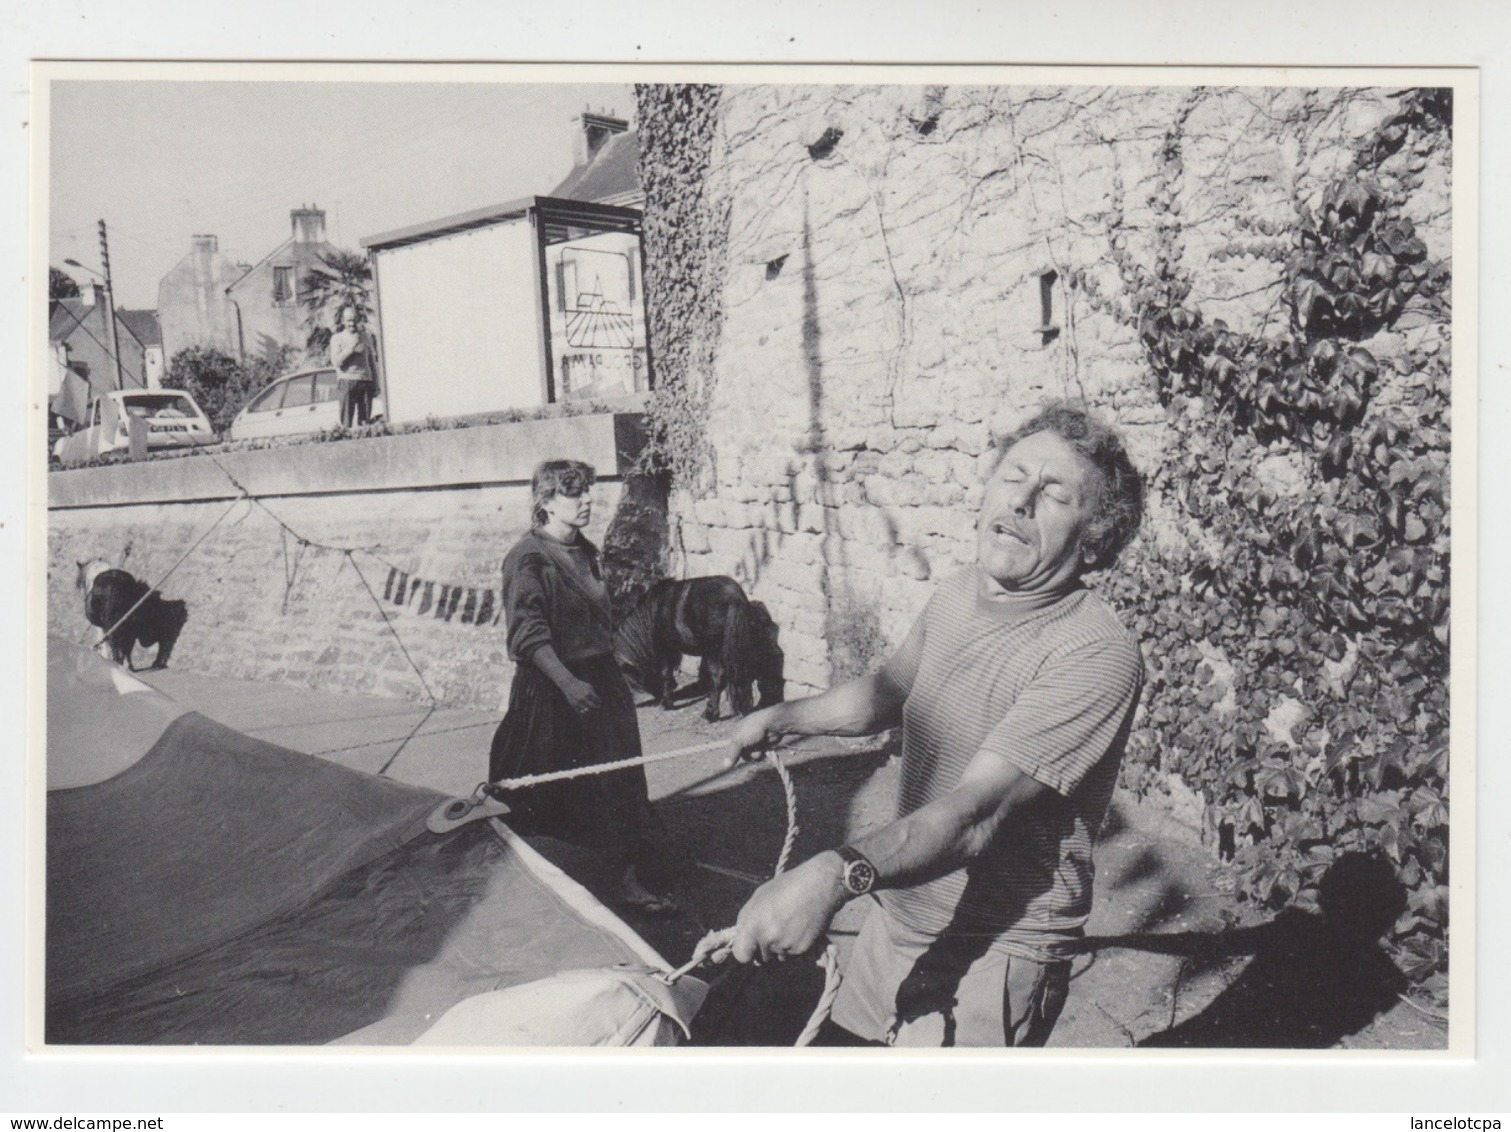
593,130
308,224
204,245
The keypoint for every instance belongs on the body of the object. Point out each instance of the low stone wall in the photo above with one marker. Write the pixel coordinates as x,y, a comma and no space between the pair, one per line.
437,510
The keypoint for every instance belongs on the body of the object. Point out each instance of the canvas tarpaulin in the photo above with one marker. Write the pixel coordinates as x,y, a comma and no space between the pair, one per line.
206,887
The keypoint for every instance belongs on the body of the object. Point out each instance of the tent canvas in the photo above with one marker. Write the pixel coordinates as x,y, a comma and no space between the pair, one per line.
206,887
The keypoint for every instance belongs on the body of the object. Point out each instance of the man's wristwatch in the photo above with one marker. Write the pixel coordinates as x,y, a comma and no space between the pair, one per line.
859,875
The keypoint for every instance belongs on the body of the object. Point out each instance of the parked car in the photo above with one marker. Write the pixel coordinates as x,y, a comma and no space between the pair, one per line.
307,401
174,420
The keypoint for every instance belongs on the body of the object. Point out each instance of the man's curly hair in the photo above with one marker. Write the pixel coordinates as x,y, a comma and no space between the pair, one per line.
1118,509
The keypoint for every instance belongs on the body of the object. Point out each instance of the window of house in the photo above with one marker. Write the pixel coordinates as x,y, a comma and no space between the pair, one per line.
283,284
1049,330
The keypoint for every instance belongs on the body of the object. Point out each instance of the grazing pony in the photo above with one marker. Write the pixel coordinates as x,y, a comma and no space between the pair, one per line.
705,617
770,661
111,594
767,659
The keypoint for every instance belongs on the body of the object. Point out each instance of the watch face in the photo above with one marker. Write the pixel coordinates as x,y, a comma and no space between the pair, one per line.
859,877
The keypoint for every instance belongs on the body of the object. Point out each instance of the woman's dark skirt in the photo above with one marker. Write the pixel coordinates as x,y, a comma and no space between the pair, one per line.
541,733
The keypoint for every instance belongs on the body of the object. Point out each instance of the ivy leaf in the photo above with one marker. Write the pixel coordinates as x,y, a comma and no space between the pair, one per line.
1430,902
1433,811
1372,810
1339,754
1377,268
1303,829
1420,957
1250,815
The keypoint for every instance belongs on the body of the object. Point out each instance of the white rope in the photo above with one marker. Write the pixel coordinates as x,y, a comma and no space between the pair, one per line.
829,961
717,946
604,768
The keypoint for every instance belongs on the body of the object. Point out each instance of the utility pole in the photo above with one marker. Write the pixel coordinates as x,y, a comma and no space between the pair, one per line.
115,341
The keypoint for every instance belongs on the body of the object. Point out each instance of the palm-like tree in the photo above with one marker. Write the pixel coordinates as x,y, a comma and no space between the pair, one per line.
343,279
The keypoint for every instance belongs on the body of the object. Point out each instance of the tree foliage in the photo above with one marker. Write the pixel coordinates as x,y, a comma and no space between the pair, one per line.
60,285
1298,646
343,279
219,383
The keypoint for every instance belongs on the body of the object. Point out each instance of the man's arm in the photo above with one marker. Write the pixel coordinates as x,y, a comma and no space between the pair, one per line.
787,915
862,706
1059,728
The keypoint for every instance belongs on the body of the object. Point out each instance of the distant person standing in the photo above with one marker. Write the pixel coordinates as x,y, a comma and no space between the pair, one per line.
351,354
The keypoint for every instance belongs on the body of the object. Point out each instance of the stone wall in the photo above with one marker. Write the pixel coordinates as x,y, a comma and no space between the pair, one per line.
893,275
440,508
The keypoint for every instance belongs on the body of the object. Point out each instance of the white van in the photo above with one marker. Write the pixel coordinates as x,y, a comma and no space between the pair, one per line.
173,419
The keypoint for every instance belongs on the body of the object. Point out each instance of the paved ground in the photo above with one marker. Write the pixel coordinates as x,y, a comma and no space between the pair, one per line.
1163,982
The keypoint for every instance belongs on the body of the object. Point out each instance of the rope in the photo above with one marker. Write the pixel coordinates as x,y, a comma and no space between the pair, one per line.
153,588
829,961
348,556
604,768
717,946
372,593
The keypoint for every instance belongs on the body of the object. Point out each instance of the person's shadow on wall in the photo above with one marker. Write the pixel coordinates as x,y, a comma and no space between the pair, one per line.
1315,977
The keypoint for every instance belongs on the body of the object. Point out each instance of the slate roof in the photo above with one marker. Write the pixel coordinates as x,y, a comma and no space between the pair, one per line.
68,314
64,315
143,326
612,177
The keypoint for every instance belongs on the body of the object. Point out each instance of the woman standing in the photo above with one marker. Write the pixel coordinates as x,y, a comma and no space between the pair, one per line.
569,705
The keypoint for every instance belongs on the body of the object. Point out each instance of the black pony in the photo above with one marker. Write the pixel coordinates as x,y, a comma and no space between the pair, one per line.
767,659
705,617
113,599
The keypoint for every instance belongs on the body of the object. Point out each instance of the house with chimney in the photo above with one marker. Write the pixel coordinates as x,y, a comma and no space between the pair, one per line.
554,307
606,163
265,300
192,308
244,310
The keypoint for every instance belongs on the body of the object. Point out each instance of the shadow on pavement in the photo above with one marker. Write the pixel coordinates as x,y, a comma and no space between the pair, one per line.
1314,978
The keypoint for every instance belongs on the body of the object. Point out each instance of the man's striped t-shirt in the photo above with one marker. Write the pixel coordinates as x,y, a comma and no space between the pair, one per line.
1049,683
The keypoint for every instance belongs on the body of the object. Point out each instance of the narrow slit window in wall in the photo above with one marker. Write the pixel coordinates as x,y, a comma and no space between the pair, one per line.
1048,329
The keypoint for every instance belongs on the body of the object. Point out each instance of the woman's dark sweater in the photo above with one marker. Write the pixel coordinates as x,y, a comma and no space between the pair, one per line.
553,594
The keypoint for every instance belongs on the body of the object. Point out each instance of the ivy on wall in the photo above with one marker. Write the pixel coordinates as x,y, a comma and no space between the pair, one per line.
1298,642
686,235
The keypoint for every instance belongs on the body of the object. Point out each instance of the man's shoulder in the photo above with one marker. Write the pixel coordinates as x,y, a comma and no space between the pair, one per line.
1088,620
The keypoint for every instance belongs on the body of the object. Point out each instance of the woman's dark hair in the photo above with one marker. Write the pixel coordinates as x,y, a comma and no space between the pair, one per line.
1118,509
557,477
